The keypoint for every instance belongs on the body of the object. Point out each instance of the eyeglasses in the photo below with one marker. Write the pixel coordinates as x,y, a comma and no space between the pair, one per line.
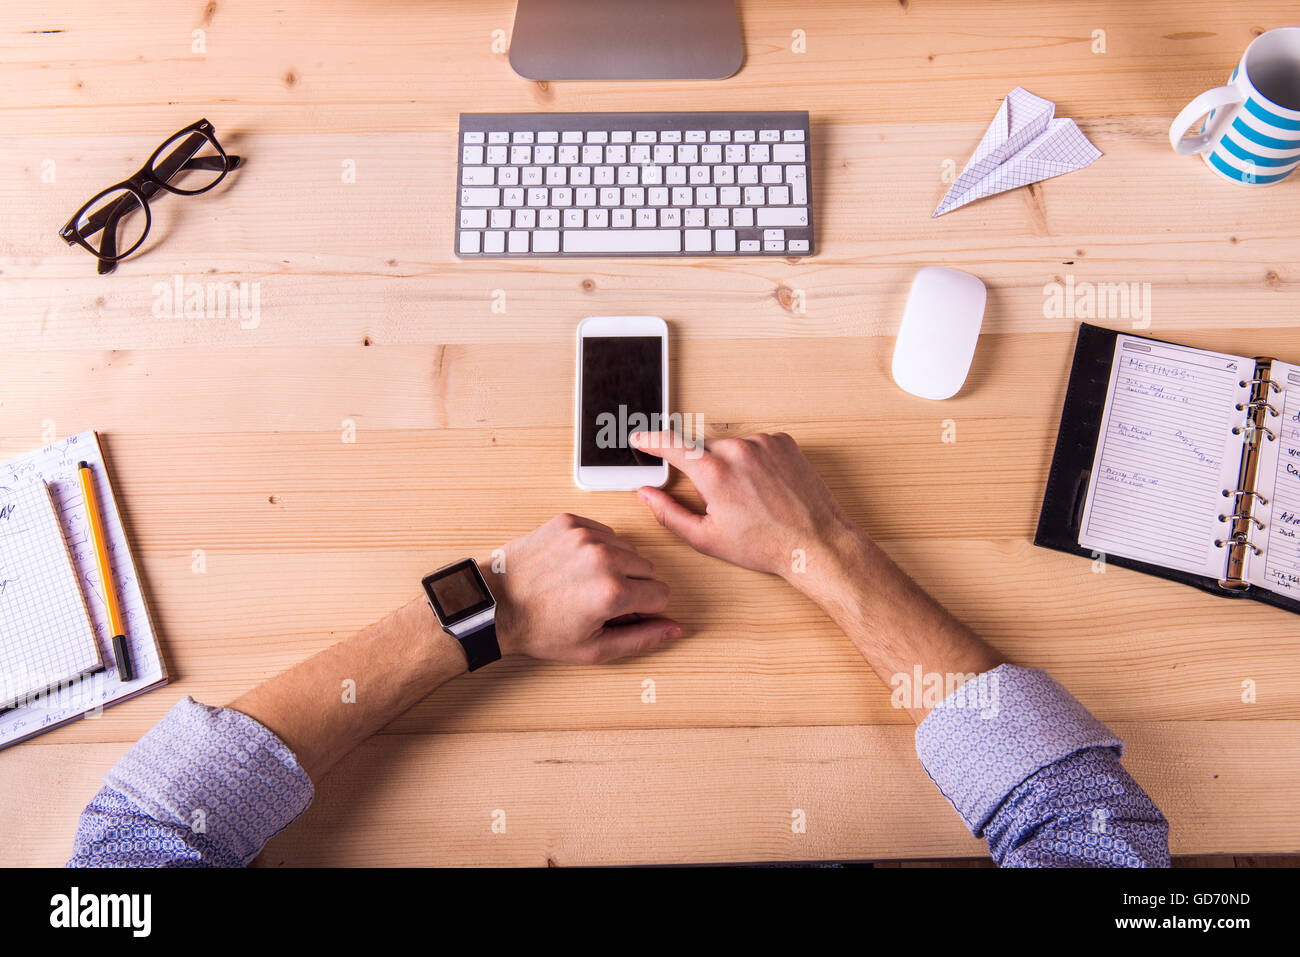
191,161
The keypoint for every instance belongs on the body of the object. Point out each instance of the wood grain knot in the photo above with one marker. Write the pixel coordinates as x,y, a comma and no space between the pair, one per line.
589,285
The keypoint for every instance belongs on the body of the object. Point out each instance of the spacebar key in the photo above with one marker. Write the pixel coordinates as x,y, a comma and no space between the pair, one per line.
622,240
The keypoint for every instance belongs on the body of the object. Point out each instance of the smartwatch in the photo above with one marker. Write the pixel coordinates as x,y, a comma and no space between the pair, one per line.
465,609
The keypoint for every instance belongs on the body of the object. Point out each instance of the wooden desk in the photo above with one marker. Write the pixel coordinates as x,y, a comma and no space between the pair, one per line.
230,440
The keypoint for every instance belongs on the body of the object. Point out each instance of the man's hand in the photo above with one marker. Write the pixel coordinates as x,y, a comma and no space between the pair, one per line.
572,590
763,500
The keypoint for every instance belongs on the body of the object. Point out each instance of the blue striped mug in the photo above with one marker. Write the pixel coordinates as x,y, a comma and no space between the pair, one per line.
1251,135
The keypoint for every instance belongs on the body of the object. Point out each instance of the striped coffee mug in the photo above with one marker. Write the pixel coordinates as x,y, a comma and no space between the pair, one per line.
1251,136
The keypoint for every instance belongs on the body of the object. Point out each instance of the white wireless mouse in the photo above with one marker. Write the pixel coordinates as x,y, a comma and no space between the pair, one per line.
941,325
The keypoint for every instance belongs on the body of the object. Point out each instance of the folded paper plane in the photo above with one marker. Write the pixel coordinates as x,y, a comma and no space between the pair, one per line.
1024,143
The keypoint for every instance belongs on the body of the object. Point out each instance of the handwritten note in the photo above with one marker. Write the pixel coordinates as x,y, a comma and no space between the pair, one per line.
1164,454
56,466
1281,533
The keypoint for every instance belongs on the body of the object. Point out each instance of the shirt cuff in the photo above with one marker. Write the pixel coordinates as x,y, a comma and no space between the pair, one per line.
992,733
217,772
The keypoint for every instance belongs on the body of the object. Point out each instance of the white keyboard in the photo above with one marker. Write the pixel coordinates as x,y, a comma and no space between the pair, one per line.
634,184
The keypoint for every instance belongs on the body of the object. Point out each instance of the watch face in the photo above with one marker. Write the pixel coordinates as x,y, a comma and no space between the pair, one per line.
458,592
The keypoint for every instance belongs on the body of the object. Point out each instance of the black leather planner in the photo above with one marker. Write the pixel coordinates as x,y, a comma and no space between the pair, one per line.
1259,419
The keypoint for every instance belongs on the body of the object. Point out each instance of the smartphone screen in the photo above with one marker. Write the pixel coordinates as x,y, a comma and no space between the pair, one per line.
622,393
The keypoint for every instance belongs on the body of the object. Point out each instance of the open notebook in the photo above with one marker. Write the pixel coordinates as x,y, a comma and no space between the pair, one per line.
1181,462
46,639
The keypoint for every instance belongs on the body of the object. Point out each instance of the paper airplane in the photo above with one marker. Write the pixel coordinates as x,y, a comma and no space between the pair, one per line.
1023,144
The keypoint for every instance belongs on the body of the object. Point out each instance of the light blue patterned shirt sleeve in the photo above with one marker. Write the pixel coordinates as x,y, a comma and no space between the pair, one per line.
1029,768
205,787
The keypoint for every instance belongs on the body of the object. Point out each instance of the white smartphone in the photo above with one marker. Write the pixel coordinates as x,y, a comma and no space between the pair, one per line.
622,388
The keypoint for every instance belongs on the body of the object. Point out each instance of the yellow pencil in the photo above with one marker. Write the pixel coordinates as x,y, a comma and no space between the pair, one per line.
124,671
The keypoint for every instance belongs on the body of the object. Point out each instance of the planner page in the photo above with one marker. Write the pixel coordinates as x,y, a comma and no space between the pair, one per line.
1165,453
1278,567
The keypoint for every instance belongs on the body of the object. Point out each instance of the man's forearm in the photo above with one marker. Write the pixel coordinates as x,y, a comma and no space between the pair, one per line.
892,621
394,663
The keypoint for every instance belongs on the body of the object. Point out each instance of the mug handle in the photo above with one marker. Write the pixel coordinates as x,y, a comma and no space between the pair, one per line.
1207,101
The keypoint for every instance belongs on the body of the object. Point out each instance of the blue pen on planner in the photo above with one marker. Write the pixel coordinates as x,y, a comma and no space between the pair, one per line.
124,670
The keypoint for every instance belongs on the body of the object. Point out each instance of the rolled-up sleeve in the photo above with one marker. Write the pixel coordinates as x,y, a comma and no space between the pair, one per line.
1032,770
205,787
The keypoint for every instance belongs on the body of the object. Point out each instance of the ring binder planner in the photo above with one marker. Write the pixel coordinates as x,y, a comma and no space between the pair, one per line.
1156,440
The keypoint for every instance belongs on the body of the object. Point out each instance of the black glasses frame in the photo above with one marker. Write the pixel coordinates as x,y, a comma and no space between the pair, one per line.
145,183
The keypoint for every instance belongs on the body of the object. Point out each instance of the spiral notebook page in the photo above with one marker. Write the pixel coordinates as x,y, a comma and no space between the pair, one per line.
45,634
1165,453
1278,568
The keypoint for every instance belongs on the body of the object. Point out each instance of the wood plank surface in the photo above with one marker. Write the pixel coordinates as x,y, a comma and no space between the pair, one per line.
225,435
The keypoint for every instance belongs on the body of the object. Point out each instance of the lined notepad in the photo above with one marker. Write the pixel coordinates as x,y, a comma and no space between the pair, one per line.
1197,465
46,638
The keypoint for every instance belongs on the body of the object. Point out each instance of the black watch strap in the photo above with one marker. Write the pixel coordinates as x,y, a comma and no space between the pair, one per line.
481,646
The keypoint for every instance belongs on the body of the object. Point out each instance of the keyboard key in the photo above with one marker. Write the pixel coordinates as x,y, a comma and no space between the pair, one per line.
550,136
758,153
497,155
778,195
500,219
670,136
745,136
471,155
783,216
611,196
620,218
688,153
638,154
586,196
793,136
498,137
512,197
724,240
798,245
543,155
494,242
742,217
477,176
522,136
602,175
480,197
699,241
646,217
771,174
469,242
755,196
567,154
628,175
657,196
573,218
539,196
597,136
593,155
749,245
473,219
694,217
525,218
521,155
719,136
771,235
683,196
598,218
629,241
615,155
769,136
675,175
724,175
473,137
571,136
729,196
711,154
548,219
699,175
734,153
546,241
664,154
670,217
561,196
621,136
747,174
788,153
518,241
579,175
507,175
774,245
695,136
718,216
646,136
